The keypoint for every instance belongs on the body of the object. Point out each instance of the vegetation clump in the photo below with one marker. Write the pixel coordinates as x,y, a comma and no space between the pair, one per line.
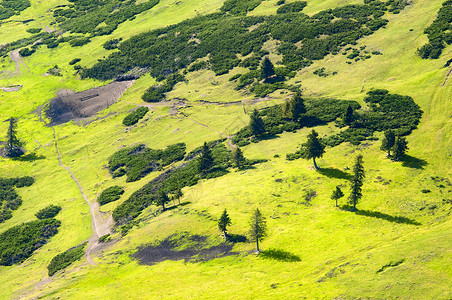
110,194
65,259
135,116
9,8
48,212
9,199
19,242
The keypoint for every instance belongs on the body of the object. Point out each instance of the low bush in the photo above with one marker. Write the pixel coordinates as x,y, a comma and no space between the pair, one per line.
110,194
65,259
74,61
135,116
26,52
293,7
48,212
9,199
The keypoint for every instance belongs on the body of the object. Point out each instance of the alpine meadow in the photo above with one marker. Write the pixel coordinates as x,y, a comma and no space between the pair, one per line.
226,149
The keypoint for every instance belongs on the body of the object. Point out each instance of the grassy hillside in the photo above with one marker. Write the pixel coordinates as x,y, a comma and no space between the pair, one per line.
378,252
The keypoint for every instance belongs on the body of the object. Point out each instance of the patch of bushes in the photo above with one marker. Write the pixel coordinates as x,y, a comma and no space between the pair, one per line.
110,194
19,242
105,238
65,259
9,199
34,30
111,44
26,52
138,161
135,116
74,61
9,8
293,7
78,42
439,33
157,93
49,212
239,7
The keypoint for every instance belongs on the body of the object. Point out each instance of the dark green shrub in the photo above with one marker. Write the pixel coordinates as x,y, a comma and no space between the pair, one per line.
135,116
105,238
111,44
77,42
74,61
293,7
110,194
48,212
34,30
65,259
19,242
26,52
9,199
239,7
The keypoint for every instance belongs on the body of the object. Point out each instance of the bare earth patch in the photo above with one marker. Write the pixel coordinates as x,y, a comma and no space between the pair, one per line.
177,247
69,106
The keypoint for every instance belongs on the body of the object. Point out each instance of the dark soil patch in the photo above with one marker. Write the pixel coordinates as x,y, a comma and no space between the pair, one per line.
190,248
69,106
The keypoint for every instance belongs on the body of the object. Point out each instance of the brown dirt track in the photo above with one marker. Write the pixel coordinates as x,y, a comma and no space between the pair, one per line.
68,105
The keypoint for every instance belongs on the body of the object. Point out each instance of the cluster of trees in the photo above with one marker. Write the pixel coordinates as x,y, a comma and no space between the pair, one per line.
397,144
65,259
137,161
9,8
439,33
48,212
110,194
135,116
225,35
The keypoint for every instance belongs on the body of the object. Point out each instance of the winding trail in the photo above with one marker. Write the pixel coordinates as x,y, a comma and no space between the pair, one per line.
15,57
100,224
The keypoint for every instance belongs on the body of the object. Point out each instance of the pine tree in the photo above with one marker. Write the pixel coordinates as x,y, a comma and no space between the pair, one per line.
388,141
224,222
267,69
400,147
337,194
205,159
177,195
237,158
258,229
357,182
294,108
313,148
348,116
13,144
257,126
162,199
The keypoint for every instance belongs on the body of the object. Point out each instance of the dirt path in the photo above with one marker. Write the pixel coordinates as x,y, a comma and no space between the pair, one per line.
100,224
15,56
447,77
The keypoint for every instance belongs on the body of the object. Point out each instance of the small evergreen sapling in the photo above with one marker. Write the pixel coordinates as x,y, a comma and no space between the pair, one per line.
388,141
237,158
267,69
337,194
224,222
357,182
205,159
256,124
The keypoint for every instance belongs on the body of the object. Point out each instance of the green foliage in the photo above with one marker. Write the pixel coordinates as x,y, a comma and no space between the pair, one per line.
26,52
205,159
9,8
239,7
238,159
105,238
111,44
9,199
293,7
157,93
80,41
294,108
48,212
224,221
357,182
267,68
256,125
438,33
135,116
138,161
19,242
348,115
399,148
162,199
314,147
337,194
388,141
34,30
222,37
258,227
74,61
65,259
110,194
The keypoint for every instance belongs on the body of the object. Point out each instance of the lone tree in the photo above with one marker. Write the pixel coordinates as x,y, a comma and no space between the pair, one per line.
237,158
400,147
348,115
177,195
205,159
388,141
13,144
267,69
337,194
162,199
258,229
224,222
294,108
313,148
357,182
257,126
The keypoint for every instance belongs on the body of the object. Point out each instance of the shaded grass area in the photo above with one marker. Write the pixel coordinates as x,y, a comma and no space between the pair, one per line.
380,215
278,254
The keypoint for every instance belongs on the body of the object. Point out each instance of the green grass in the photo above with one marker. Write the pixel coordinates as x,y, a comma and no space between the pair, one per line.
341,249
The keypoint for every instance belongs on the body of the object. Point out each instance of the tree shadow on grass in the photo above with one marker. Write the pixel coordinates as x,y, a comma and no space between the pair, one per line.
335,173
29,157
413,162
236,238
280,255
380,215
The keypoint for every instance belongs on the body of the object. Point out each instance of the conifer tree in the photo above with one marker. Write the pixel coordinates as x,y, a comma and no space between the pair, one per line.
388,141
162,199
257,126
400,147
177,195
294,108
337,194
224,222
357,182
205,159
237,158
313,148
348,115
267,69
13,144
258,229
